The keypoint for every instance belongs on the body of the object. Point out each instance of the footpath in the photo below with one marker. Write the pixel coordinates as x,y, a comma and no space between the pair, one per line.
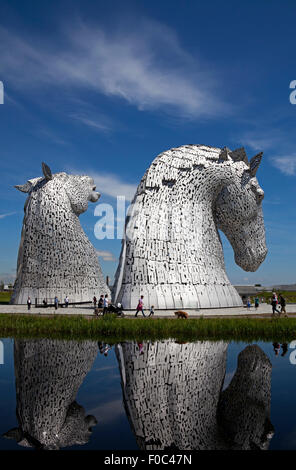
264,310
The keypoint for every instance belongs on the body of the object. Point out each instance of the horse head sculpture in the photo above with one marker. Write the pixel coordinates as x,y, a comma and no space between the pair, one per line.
174,398
239,212
48,375
172,252
55,256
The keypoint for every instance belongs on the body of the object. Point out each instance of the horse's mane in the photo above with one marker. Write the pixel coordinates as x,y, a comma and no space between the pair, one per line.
188,155
170,165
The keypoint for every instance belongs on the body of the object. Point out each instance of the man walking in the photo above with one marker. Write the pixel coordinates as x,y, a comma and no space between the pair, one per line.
106,302
282,302
29,303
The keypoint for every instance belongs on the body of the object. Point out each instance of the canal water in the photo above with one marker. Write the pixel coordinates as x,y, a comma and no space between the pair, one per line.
150,395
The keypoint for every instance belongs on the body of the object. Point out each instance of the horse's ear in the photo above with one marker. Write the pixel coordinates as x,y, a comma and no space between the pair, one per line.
14,433
254,163
46,171
239,155
223,155
24,188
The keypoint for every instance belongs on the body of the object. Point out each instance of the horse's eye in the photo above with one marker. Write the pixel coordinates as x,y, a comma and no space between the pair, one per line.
94,188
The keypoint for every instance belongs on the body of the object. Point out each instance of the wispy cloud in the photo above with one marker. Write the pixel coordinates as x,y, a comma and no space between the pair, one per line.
93,122
260,139
112,185
286,164
106,255
2,216
147,67
109,184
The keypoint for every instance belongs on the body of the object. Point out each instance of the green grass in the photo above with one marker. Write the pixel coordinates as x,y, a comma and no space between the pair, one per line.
5,297
120,329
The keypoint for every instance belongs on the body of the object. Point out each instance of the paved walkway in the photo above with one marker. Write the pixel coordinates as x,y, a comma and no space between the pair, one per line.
263,310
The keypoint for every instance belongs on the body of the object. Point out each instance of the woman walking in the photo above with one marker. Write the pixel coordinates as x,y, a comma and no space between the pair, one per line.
274,302
140,306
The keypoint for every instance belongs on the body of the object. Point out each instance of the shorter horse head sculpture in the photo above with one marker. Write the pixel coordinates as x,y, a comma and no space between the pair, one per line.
55,256
78,189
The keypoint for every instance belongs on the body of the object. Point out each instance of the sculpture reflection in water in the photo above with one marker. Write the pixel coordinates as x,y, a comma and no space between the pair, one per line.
48,375
174,400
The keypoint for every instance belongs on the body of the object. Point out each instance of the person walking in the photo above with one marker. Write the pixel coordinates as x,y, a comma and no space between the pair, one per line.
106,303
276,348
282,302
66,301
101,302
248,303
95,301
274,302
256,302
29,303
140,346
56,302
151,311
140,306
285,349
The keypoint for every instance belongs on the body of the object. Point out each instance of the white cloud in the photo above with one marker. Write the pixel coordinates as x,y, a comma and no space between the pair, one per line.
109,184
94,123
2,216
286,164
106,255
144,65
262,139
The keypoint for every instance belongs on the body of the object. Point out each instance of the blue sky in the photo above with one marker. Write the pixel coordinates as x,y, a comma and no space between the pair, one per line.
101,88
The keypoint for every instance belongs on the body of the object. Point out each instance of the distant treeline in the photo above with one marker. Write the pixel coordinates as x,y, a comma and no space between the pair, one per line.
290,296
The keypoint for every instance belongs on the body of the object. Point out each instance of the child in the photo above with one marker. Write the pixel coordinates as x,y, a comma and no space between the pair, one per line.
151,311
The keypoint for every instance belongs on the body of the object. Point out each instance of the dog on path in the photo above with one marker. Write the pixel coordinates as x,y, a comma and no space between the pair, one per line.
181,314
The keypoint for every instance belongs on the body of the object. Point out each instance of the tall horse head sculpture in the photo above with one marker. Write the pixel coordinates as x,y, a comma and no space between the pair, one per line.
172,252
173,396
55,256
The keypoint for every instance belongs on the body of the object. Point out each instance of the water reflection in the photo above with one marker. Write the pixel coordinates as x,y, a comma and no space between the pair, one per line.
48,375
174,400
172,392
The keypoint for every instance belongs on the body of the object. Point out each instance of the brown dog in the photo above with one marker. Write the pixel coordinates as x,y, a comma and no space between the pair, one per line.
98,311
181,314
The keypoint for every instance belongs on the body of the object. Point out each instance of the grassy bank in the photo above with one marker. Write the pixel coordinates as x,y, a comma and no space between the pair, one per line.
5,297
121,329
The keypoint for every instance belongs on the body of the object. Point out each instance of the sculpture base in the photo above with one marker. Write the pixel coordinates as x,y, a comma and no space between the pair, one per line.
167,296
